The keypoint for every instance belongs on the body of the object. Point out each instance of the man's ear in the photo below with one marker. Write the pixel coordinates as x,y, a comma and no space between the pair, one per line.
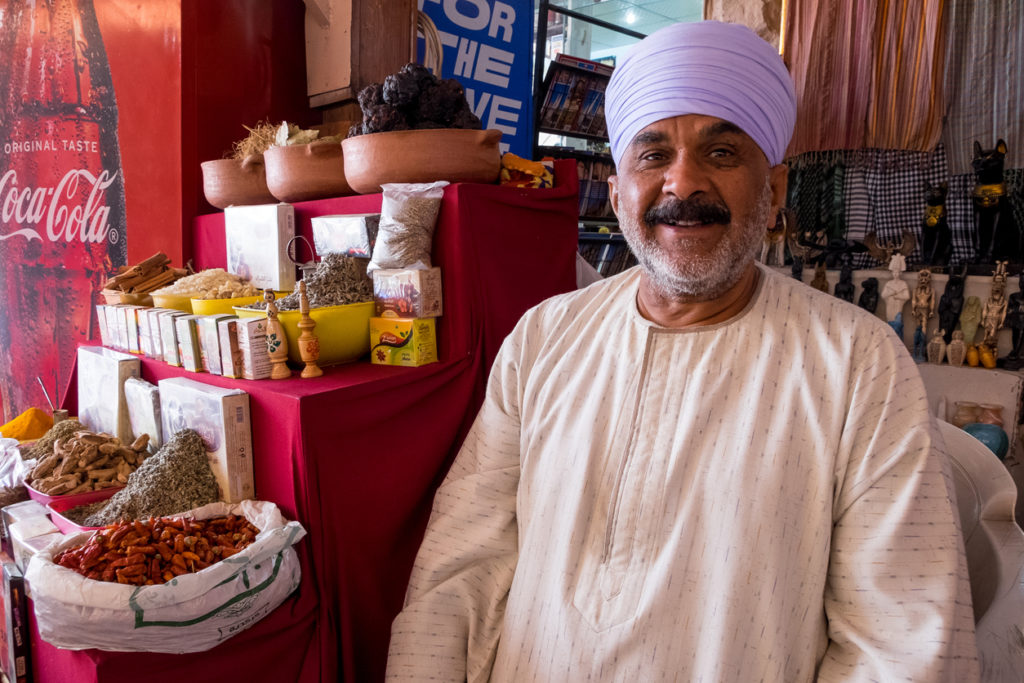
778,180
613,193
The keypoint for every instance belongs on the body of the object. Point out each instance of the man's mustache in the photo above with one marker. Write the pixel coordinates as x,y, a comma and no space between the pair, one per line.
687,211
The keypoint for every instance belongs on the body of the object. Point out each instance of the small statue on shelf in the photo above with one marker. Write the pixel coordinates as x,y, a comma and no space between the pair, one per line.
951,303
277,342
309,344
937,242
993,314
869,295
1015,321
805,247
937,347
995,233
844,288
922,307
957,349
970,318
797,269
896,293
820,281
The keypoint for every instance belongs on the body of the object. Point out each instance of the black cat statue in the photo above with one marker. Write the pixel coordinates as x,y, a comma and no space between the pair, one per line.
996,236
937,237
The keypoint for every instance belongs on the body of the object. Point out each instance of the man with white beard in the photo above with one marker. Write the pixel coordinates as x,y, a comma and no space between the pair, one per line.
697,470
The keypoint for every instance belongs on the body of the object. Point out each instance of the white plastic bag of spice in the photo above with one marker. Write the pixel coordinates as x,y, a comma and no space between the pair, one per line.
190,613
405,233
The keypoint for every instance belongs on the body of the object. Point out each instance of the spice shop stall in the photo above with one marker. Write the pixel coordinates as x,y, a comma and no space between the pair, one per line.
355,455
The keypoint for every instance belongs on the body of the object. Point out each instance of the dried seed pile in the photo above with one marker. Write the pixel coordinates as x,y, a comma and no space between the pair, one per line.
338,280
175,479
44,446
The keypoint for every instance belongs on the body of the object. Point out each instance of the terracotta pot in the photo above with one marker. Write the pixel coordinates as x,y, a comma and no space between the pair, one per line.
299,173
229,181
421,156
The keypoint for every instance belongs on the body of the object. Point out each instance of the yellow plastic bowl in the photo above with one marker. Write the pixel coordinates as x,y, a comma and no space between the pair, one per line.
178,302
343,331
218,306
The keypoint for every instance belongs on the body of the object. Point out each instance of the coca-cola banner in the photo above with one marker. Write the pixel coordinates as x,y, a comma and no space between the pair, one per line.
62,203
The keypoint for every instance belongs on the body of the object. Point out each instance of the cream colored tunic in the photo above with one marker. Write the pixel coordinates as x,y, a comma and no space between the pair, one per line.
759,500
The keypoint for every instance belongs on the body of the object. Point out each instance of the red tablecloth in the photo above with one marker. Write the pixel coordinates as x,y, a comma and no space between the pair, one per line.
357,454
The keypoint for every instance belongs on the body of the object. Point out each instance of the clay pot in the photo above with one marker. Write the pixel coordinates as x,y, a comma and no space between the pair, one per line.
299,173
421,156
229,182
966,413
990,413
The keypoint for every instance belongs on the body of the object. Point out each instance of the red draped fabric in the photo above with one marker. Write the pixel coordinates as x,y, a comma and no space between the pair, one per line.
356,455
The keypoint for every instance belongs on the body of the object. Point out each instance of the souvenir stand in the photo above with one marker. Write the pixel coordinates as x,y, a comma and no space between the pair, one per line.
355,455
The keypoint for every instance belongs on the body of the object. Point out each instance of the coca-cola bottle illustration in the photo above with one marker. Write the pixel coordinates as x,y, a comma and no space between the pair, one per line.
62,209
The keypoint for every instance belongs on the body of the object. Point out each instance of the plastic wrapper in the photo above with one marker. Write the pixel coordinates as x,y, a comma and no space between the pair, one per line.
406,231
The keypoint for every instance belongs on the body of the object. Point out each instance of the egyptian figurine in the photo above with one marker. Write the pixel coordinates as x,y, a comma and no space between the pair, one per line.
957,349
970,318
797,269
995,233
951,303
820,280
993,313
922,307
937,242
1015,321
844,288
896,293
869,295
937,347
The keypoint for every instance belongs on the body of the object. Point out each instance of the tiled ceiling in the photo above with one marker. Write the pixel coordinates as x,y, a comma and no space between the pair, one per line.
643,16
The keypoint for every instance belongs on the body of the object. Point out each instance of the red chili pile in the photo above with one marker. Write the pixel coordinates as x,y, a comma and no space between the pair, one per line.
144,553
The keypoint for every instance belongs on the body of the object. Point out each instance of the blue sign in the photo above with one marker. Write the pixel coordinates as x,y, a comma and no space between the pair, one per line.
487,47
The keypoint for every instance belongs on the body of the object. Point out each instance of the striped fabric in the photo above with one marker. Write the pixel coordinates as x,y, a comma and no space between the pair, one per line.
867,74
984,87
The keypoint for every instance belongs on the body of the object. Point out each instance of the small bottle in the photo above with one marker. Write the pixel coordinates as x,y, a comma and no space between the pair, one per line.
277,343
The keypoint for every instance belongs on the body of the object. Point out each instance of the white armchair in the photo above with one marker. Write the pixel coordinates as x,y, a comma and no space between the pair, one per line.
986,495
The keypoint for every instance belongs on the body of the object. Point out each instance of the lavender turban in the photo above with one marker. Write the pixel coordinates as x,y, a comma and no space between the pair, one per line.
710,68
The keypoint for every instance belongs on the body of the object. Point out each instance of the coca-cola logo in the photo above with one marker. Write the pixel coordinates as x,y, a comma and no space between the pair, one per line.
58,211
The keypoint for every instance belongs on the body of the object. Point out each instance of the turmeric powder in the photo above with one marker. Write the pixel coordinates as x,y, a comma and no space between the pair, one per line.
31,424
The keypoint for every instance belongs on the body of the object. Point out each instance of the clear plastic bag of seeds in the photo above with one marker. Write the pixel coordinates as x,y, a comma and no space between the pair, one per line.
406,231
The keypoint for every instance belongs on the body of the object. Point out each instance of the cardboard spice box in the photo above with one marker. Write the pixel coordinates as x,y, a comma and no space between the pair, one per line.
408,293
221,417
102,406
